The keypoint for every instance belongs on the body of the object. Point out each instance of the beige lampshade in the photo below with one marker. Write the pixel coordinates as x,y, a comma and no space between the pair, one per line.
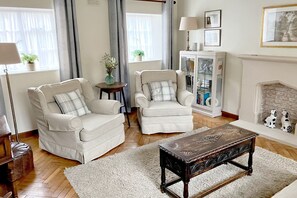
9,54
188,23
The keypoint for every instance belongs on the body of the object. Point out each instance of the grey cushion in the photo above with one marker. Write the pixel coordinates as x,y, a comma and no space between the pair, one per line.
72,103
162,91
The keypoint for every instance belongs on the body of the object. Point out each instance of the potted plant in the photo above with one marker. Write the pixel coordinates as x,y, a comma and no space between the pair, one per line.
110,64
29,60
138,54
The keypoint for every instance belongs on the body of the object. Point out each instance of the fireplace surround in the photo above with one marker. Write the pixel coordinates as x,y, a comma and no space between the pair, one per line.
268,82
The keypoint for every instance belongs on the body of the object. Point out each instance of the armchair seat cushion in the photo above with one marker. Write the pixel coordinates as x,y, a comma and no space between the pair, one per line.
96,125
166,108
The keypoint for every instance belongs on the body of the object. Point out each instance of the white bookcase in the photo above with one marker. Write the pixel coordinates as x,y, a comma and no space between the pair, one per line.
205,79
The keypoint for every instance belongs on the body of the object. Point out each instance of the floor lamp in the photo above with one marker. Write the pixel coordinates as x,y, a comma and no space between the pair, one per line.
9,55
188,23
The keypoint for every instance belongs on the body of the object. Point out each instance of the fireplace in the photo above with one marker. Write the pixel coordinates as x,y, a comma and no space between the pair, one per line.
268,83
276,95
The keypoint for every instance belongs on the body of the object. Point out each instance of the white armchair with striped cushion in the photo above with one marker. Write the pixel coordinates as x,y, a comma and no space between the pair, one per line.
72,123
163,103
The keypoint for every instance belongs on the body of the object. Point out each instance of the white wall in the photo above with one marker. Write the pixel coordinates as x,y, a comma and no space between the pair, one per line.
241,29
93,27
19,83
27,3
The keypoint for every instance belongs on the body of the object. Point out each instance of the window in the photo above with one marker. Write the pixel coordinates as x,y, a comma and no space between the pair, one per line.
34,32
144,32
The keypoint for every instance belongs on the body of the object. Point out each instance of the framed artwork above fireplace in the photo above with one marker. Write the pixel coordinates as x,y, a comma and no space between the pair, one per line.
279,28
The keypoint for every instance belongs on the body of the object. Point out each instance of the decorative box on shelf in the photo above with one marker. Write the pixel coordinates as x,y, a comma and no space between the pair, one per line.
204,72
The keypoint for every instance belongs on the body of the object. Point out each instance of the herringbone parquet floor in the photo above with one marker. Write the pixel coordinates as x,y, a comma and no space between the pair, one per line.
48,180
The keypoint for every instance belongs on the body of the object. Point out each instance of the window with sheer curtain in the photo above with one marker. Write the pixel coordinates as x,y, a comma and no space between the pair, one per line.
144,32
34,31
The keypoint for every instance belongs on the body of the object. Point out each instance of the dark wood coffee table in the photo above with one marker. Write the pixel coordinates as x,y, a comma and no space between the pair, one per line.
190,156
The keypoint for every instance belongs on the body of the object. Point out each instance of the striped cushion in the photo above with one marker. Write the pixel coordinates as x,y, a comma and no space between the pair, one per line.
162,91
72,103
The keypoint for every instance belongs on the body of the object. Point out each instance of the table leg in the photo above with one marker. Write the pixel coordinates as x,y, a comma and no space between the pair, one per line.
123,95
186,189
163,179
100,94
250,160
114,95
108,96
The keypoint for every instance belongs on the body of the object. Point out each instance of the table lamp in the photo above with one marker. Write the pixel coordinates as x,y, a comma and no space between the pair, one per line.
9,55
188,23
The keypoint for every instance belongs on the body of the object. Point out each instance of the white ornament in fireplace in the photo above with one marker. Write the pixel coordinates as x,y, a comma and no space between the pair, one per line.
270,120
286,123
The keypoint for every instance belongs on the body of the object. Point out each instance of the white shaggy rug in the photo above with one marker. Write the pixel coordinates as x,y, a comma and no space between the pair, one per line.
136,173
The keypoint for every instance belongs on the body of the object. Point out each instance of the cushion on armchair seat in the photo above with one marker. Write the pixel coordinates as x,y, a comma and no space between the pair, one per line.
96,125
166,108
72,103
162,91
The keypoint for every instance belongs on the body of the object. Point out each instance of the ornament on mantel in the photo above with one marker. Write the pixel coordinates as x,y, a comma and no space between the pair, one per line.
270,120
286,123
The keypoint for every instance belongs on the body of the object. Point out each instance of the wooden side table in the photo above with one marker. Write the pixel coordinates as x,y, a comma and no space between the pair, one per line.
6,164
116,87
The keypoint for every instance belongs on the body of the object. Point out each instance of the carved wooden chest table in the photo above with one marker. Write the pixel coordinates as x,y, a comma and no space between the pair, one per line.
190,156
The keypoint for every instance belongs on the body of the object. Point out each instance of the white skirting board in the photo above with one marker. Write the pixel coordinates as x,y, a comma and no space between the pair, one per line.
273,134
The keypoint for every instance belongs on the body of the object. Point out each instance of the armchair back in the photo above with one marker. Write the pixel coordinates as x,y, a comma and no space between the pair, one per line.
42,97
146,76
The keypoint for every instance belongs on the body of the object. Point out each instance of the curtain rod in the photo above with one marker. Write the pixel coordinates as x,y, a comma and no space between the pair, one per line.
158,1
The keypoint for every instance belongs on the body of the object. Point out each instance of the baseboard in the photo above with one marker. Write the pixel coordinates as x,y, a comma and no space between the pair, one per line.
25,134
230,115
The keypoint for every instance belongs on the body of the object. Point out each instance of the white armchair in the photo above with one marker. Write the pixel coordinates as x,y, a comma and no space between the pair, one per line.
163,116
81,138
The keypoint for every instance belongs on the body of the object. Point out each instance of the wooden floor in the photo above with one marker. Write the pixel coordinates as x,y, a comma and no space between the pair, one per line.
48,180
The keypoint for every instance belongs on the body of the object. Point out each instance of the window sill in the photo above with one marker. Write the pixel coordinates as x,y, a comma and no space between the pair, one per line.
28,72
144,61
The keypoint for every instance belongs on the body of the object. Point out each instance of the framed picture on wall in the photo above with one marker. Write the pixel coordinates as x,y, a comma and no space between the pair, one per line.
212,38
212,19
279,28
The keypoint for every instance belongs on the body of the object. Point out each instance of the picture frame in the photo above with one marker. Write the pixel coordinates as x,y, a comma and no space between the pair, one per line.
212,38
212,19
279,26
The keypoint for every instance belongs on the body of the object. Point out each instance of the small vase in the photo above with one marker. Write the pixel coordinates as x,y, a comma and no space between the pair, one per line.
138,58
30,66
109,79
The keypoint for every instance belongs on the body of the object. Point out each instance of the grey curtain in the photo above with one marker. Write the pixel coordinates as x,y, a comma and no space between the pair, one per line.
118,43
68,44
167,14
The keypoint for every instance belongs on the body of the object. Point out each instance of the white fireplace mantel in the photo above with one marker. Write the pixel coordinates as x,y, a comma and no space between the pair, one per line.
257,70
256,57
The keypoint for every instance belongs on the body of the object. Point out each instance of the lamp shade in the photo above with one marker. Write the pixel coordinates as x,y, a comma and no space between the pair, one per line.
188,23
9,54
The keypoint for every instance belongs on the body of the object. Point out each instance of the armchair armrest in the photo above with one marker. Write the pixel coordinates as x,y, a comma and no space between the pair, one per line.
185,97
109,107
141,100
63,122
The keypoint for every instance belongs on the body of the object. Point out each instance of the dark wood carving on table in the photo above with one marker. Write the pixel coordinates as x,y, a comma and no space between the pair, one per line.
192,155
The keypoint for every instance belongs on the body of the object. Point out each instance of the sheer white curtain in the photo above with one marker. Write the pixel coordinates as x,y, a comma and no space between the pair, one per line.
34,32
144,32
